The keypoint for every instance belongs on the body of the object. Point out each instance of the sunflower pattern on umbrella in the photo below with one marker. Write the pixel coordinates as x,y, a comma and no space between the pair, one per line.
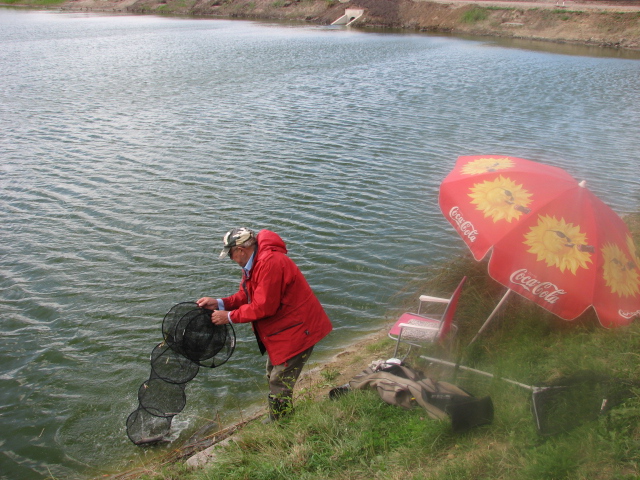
559,244
487,164
551,239
620,273
500,199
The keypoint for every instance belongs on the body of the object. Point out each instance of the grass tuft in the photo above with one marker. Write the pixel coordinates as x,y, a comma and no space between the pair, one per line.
474,15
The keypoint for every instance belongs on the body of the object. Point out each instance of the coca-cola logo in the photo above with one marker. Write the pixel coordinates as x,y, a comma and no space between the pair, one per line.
628,315
466,228
547,291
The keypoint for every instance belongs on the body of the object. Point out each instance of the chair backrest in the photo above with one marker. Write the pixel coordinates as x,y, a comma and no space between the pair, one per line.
447,316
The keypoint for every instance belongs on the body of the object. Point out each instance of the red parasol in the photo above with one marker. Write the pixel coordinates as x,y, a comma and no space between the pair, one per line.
551,239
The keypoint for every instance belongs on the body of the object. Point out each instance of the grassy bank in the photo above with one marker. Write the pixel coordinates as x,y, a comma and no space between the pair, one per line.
360,437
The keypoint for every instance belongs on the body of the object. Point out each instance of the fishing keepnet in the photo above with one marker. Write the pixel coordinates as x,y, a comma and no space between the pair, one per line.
191,341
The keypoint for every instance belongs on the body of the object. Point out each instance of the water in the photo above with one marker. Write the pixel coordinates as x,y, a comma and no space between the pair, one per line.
131,144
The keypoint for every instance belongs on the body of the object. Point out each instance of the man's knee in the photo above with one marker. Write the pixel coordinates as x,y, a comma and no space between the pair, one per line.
283,377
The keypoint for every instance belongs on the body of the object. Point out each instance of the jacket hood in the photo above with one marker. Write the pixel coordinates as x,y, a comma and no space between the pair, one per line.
268,240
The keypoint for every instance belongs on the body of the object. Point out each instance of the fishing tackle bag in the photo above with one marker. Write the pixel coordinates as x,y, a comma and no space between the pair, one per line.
400,385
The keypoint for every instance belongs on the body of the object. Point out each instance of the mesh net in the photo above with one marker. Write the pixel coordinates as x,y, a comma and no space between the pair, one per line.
171,320
171,366
144,428
190,341
162,399
568,402
187,329
199,339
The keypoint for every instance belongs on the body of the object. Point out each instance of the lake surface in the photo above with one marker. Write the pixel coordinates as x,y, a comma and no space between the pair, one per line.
130,144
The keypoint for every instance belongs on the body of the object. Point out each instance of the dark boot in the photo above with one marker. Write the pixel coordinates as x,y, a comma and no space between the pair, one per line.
279,406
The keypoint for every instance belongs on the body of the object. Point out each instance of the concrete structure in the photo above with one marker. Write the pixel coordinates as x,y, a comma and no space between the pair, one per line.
350,16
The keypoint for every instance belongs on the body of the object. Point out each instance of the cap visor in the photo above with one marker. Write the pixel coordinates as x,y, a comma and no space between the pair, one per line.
224,253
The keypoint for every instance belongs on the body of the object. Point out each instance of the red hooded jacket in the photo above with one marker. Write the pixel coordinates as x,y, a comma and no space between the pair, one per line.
286,316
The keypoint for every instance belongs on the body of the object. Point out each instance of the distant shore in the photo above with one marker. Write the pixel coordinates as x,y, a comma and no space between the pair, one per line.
600,23
604,23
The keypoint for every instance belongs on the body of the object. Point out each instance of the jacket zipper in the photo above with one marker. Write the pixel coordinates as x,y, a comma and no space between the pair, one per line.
284,329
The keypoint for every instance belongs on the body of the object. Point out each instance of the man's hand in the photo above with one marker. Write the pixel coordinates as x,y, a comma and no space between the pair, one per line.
220,317
208,303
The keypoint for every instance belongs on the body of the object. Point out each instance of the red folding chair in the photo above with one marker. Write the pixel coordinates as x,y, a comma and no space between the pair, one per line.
418,329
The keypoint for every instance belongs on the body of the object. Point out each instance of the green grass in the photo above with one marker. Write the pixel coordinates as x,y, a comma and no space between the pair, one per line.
499,8
474,15
360,437
355,437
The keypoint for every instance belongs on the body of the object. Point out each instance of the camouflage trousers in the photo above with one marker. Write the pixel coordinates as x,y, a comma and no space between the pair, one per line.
283,377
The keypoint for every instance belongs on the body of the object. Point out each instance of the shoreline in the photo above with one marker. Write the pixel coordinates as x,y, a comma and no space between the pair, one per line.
601,23
197,451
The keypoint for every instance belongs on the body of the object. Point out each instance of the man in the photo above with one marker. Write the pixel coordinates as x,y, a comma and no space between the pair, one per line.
287,318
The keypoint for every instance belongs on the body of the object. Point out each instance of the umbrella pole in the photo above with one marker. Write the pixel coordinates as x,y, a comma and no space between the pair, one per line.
495,310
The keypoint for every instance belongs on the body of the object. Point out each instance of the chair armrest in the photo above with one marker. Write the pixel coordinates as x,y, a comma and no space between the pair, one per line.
427,298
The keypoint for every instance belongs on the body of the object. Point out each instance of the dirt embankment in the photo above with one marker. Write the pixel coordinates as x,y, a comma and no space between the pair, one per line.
608,23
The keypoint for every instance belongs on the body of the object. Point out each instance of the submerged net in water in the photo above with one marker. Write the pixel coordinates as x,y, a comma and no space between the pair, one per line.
190,341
